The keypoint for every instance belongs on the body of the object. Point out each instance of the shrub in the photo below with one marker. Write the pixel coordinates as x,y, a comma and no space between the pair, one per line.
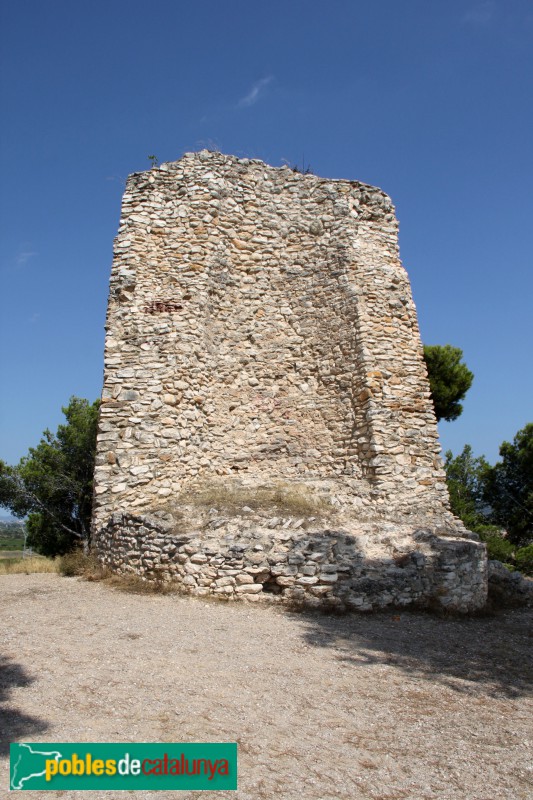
524,559
498,548
82,564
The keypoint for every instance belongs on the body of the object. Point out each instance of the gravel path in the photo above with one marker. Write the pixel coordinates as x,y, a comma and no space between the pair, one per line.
385,706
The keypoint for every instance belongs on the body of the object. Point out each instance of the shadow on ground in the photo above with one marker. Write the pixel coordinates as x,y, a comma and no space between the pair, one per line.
14,724
489,655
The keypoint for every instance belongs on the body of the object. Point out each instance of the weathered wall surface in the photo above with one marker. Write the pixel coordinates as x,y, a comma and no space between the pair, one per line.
260,330
260,323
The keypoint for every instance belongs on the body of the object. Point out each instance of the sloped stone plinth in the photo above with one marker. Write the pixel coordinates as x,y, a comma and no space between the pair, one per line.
366,567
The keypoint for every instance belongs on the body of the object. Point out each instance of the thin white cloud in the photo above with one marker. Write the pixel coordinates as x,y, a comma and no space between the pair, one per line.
253,95
24,256
208,144
481,13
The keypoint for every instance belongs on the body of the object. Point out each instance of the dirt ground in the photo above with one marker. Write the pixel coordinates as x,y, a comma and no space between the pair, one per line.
385,706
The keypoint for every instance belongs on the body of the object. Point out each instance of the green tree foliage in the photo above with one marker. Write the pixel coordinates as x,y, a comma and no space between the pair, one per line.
524,559
449,379
465,476
497,502
53,484
508,487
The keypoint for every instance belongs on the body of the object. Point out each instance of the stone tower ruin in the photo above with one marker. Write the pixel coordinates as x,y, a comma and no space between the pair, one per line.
266,425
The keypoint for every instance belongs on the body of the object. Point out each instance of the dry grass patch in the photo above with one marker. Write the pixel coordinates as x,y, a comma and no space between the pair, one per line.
26,566
285,499
12,554
134,584
88,567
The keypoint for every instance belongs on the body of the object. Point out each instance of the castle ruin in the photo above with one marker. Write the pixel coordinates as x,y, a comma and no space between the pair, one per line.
266,427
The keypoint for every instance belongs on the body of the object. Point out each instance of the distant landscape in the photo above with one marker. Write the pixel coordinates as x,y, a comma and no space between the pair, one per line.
11,533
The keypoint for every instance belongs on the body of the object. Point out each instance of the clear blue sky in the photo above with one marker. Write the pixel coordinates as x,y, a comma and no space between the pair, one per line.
431,101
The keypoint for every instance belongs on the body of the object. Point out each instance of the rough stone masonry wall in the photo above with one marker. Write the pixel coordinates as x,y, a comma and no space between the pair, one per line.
261,330
373,566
